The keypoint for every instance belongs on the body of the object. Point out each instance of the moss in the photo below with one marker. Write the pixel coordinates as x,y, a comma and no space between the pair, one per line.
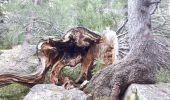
136,95
73,74
13,91
128,97
67,98
56,89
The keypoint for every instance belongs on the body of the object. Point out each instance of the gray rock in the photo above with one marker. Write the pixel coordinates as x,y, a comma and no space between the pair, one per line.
19,60
53,92
148,92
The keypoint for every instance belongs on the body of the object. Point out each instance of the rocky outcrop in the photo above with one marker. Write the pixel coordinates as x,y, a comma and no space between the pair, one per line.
53,92
19,60
148,92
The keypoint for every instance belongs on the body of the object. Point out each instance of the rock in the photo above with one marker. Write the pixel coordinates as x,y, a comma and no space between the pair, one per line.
148,92
19,60
53,92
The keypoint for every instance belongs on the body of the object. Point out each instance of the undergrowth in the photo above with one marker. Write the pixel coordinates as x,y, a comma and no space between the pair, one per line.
13,92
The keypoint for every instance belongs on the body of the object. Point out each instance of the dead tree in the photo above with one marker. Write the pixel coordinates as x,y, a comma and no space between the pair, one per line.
73,48
78,45
139,66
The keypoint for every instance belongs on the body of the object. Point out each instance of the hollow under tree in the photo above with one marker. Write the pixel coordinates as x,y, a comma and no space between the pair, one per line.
139,66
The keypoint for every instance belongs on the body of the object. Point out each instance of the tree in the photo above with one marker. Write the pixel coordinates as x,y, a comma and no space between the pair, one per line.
139,66
147,52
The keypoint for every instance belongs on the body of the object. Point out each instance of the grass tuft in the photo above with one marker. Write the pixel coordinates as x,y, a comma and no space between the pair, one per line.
13,91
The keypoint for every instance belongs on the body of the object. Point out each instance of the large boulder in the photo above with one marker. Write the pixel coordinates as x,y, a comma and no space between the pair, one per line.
19,60
148,92
53,92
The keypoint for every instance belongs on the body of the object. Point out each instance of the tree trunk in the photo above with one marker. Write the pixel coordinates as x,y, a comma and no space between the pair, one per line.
28,80
139,66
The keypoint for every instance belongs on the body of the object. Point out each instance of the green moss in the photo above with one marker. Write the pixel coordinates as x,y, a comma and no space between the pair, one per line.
67,98
13,91
136,95
72,73
128,97
56,89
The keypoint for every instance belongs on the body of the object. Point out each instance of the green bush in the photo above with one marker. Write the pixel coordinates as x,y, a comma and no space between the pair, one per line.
91,16
10,39
73,73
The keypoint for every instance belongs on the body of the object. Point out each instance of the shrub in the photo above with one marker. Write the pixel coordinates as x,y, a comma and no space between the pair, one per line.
13,91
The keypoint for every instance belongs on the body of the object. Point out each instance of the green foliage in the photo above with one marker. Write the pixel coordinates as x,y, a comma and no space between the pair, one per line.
45,20
13,91
90,15
163,75
10,39
53,18
98,65
73,73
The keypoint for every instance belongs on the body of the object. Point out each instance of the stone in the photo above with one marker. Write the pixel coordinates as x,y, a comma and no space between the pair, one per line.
19,60
54,92
159,91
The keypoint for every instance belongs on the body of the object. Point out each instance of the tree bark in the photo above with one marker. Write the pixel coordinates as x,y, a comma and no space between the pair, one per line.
76,46
139,66
28,80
